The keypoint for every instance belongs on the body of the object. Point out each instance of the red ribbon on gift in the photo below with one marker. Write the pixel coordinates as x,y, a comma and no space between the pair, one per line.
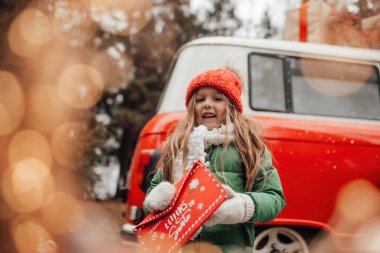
303,22
198,195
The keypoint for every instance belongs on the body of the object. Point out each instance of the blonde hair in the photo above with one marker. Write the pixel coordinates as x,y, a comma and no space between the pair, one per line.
246,138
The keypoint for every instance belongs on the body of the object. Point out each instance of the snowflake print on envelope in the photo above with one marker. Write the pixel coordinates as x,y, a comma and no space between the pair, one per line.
194,184
191,207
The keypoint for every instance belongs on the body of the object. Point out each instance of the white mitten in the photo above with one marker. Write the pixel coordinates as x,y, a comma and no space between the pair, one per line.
160,197
237,209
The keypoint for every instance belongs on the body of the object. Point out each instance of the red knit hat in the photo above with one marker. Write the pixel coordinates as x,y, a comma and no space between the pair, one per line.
222,79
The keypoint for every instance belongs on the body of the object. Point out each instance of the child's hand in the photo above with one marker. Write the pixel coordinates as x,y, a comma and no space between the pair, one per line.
160,197
237,209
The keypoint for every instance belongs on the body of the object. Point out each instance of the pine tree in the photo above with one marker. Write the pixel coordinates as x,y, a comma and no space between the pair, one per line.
266,28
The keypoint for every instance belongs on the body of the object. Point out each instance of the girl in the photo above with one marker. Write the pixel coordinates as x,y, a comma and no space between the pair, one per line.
215,132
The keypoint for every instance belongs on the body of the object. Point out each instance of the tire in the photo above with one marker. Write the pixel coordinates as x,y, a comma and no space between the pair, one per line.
280,240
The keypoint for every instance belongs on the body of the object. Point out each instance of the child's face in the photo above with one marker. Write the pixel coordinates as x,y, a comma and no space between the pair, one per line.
210,107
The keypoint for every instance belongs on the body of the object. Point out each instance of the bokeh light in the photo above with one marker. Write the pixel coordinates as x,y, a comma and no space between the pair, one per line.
31,237
50,63
80,86
121,17
368,237
34,27
30,144
339,78
44,110
67,144
26,184
29,33
359,200
11,103
114,65
62,213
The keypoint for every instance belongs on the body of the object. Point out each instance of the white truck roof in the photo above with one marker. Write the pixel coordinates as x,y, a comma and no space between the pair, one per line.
292,47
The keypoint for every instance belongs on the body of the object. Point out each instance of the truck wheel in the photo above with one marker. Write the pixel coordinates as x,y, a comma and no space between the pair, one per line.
280,240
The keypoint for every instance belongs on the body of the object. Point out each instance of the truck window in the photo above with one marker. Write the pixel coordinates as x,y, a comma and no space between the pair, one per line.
314,86
267,83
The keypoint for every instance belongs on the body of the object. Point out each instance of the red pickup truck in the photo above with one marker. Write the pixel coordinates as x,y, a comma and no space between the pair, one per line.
319,110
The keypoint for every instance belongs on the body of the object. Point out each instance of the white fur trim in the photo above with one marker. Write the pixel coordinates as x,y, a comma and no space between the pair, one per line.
217,135
160,197
199,140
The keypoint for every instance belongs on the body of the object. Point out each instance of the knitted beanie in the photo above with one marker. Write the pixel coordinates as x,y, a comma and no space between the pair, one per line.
222,79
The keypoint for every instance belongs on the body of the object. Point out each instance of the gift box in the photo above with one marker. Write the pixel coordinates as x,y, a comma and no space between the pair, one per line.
308,22
318,22
198,194
371,26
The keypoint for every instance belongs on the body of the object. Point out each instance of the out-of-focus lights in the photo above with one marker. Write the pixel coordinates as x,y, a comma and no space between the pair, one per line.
49,65
26,184
368,237
31,237
339,79
30,144
62,213
359,200
67,144
29,33
80,86
11,103
44,110
35,27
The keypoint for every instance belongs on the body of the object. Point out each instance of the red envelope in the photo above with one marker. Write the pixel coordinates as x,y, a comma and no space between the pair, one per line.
198,195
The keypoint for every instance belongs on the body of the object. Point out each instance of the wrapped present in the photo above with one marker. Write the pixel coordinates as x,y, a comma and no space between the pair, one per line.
341,33
198,195
371,26
344,29
308,22
317,22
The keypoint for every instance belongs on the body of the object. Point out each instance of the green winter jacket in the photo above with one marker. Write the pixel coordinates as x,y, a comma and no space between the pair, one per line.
266,193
